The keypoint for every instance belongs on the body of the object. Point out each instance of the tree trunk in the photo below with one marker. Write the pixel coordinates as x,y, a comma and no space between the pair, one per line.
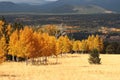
26,61
13,58
56,59
17,59
45,60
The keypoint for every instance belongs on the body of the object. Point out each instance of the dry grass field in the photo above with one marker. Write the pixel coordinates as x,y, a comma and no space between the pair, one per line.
70,67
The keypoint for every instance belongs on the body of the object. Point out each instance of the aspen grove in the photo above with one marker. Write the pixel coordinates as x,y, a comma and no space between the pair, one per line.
29,43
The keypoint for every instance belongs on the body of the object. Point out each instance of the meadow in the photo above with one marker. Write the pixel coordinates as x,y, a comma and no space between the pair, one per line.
69,67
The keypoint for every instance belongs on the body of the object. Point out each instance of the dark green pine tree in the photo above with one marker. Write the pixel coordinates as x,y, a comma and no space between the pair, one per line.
94,57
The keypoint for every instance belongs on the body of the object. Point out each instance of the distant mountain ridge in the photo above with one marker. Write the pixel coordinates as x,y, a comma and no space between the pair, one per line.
65,6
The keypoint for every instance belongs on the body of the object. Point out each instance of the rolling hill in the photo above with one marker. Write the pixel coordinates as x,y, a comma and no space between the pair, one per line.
65,6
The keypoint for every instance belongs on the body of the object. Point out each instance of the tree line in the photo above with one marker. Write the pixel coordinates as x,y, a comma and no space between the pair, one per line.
29,42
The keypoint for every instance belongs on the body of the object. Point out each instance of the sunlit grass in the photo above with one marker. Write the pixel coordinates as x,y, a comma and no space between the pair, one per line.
69,67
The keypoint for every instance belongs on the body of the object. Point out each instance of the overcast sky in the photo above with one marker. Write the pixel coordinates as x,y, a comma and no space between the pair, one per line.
28,1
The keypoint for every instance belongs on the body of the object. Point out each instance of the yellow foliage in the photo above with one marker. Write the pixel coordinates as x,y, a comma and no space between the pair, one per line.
2,55
3,48
76,46
26,38
29,44
84,46
9,29
95,42
13,43
65,44
58,48
3,44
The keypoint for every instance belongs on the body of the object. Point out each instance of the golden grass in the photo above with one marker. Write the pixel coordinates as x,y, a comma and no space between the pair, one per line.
70,67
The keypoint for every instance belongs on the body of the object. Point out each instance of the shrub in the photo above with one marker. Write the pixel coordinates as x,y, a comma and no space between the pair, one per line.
94,57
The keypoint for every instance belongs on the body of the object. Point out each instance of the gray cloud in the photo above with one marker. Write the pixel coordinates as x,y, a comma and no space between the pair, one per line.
28,1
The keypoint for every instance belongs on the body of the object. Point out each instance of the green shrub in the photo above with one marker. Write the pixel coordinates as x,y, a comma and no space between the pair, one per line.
94,57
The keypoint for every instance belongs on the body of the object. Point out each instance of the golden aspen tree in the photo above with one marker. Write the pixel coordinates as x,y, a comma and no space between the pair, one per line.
13,47
2,55
98,43
84,46
42,41
80,45
60,44
76,46
58,48
3,48
55,47
95,42
5,31
52,42
3,44
70,45
42,44
51,46
45,49
37,44
67,45
90,42
25,42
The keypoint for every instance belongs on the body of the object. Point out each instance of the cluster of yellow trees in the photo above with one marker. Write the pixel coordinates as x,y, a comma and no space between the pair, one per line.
93,42
28,43
31,44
